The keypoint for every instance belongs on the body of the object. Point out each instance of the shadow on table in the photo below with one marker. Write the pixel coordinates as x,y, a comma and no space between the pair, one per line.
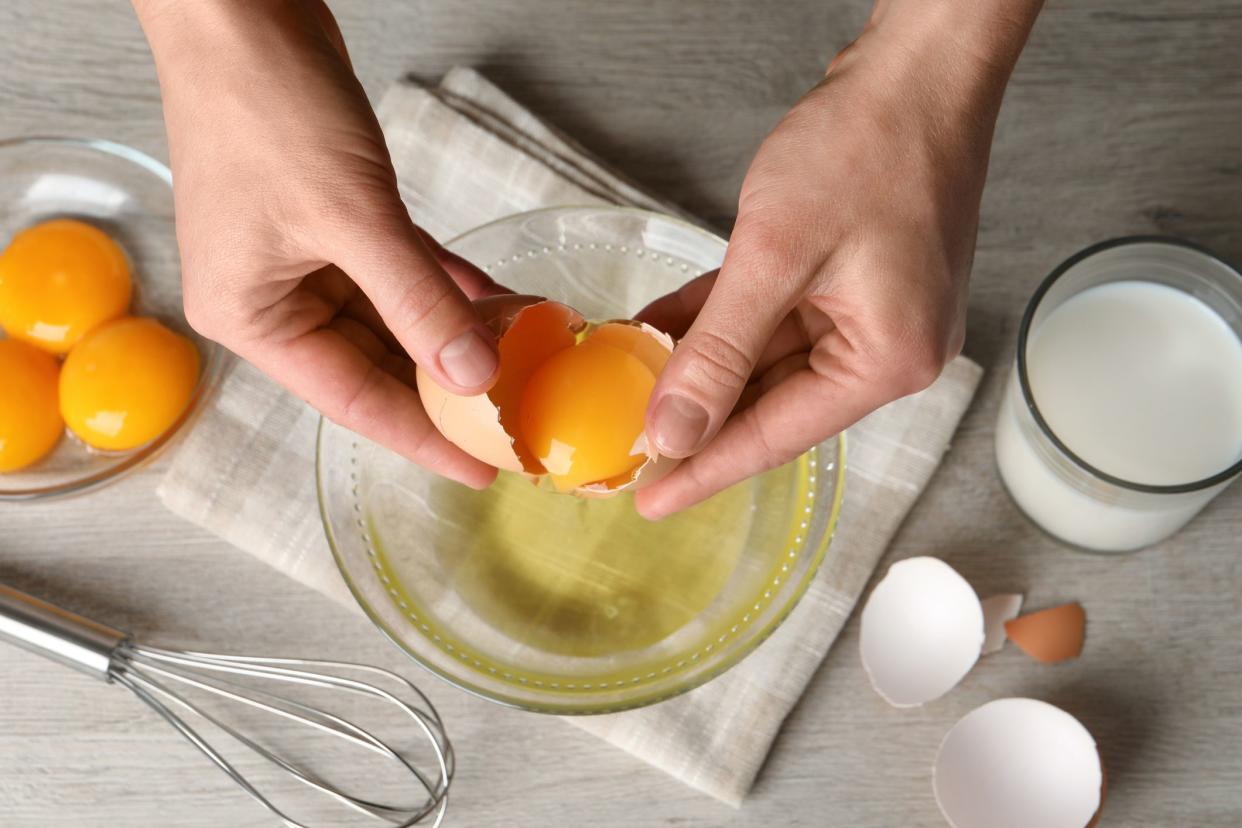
93,604
661,170
1122,721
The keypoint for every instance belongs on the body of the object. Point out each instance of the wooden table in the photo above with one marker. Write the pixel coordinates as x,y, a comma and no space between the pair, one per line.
1124,116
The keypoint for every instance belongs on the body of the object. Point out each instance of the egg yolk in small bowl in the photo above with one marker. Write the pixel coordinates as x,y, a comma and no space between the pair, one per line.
59,280
30,423
127,382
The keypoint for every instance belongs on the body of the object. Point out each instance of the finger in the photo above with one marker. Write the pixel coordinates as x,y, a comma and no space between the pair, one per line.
789,339
360,309
338,290
352,390
471,279
782,370
714,361
331,31
802,409
769,379
421,304
806,404
673,313
365,339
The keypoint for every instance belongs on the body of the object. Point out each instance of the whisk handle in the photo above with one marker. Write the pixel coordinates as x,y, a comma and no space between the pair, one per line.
58,634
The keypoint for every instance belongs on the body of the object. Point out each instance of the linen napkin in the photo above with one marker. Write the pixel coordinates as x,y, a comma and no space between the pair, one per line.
465,154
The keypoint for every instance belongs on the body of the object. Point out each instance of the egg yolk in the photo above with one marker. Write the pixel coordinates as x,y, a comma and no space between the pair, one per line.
582,413
30,423
127,382
59,280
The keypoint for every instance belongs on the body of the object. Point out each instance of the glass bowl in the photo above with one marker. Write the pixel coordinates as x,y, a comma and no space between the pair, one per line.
550,603
128,195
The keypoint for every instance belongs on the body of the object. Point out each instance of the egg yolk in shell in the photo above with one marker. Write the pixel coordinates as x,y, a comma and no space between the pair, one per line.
30,423
127,382
582,413
58,281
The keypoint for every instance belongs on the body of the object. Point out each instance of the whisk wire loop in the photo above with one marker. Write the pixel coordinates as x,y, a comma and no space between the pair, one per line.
135,665
165,680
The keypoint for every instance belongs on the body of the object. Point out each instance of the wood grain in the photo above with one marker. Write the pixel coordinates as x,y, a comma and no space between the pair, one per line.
1124,116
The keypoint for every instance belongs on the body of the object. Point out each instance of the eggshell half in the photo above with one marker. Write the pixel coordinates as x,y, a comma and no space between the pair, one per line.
997,609
470,423
1018,763
652,347
922,630
1050,635
529,331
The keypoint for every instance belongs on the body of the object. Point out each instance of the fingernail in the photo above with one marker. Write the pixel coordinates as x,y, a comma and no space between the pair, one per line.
678,425
468,360
651,513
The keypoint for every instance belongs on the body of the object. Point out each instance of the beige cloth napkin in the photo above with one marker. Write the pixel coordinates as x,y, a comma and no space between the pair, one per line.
466,154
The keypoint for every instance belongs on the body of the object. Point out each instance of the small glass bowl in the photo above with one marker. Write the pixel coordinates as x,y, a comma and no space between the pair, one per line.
424,557
127,194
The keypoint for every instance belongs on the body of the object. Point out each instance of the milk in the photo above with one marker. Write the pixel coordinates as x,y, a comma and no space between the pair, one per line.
1143,382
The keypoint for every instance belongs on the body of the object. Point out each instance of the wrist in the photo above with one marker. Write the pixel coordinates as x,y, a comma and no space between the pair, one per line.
986,35
181,32
955,54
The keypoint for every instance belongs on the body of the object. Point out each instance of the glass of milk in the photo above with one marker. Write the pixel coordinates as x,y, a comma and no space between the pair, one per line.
1123,415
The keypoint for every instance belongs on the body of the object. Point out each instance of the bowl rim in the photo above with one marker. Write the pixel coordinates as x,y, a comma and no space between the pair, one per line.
639,700
213,358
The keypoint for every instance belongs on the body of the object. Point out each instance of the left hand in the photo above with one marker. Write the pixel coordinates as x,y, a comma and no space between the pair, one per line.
844,285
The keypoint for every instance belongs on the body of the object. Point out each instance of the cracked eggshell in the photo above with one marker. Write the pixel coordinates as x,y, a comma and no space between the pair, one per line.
997,610
652,347
530,330
1051,635
922,631
1019,762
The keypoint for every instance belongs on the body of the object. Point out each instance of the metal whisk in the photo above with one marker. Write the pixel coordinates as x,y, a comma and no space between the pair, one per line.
161,679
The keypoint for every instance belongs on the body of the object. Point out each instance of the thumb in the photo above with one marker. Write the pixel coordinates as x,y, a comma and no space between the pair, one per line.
422,305
712,364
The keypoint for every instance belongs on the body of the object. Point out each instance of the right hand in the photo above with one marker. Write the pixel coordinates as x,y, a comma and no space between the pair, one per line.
296,250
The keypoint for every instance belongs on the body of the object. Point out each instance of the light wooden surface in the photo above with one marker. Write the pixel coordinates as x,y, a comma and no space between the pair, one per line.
1124,116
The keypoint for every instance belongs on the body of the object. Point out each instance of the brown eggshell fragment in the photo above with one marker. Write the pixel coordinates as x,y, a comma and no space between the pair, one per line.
529,329
531,336
653,348
653,469
649,345
470,423
1050,635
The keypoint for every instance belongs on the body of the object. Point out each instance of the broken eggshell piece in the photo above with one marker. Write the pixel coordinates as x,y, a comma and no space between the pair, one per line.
998,609
1051,635
1018,762
530,330
922,631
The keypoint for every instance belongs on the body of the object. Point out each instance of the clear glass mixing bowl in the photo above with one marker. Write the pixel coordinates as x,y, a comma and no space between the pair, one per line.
127,194
568,606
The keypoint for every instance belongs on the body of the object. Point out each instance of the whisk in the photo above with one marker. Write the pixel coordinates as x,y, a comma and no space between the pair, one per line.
161,679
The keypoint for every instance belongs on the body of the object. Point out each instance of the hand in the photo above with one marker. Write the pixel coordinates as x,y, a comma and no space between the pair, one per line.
296,250
845,281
